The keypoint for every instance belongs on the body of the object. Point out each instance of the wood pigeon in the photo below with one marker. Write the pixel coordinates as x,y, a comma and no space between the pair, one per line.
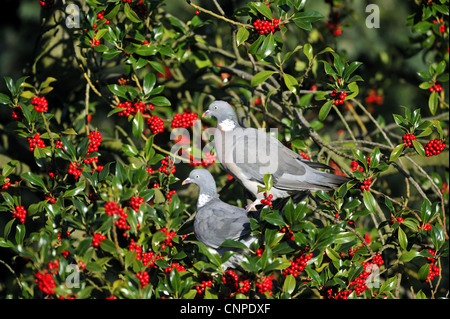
248,154
216,221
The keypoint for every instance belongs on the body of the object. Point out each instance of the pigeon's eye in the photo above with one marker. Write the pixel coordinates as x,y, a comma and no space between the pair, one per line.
216,107
196,176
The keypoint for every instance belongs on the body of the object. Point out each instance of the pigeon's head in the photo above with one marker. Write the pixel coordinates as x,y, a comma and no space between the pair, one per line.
204,180
224,113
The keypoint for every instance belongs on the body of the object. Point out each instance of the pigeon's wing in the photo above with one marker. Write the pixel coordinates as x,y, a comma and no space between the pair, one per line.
265,154
217,221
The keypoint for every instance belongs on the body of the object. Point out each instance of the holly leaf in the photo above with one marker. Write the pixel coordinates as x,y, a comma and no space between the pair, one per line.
369,201
324,110
260,77
263,9
396,152
418,147
130,14
242,36
138,125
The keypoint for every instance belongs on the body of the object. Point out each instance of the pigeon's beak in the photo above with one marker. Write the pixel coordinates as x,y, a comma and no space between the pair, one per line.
207,113
186,181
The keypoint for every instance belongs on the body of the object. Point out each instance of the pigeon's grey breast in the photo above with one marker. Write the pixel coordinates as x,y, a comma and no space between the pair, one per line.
217,221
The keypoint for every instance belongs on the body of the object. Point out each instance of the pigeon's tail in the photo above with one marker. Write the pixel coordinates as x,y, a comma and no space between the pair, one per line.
328,180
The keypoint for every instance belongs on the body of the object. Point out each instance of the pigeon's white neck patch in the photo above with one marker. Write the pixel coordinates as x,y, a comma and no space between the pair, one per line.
203,199
226,125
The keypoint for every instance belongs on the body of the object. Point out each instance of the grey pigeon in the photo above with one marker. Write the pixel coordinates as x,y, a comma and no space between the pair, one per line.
248,154
216,221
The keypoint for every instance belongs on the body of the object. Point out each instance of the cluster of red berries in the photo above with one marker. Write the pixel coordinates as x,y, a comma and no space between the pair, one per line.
434,147
73,169
205,283
434,269
265,284
148,259
81,264
335,28
95,138
369,267
59,144
136,202
355,166
17,113
288,233
259,252
133,108
52,200
426,226
184,120
207,159
156,124
123,81
267,200
144,278
374,97
442,24
352,251
6,183
140,8
40,103
136,248
100,16
359,284
170,194
177,266
94,42
93,160
231,280
399,219
21,213
265,27
408,138
53,266
46,282
338,97
437,87
111,208
47,3
36,141
168,240
298,264
366,184
167,166
97,239
305,156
